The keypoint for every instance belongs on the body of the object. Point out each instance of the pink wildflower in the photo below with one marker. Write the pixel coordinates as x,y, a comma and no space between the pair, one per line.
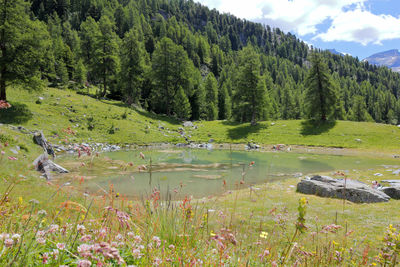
83,263
8,243
136,253
157,240
45,258
60,246
12,158
157,262
86,238
53,228
40,240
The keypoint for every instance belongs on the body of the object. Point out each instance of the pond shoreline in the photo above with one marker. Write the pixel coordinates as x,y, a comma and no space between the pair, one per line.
285,148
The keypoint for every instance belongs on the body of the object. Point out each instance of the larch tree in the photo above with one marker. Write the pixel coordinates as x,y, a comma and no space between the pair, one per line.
24,44
171,71
106,63
320,95
133,66
250,95
211,88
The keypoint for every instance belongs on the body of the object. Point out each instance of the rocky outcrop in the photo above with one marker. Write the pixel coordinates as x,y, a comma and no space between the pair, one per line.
393,192
353,191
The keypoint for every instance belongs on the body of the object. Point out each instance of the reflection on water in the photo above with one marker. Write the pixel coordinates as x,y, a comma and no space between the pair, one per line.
205,172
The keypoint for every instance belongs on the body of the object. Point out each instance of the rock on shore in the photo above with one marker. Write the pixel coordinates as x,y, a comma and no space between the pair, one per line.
355,191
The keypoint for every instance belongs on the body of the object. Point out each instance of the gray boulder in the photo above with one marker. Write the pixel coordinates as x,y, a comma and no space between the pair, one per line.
393,192
188,124
355,191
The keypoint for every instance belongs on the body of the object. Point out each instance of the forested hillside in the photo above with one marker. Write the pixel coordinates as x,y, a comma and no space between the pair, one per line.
179,58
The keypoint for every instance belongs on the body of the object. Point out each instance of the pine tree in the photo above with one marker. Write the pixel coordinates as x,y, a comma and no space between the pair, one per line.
171,70
224,102
211,88
359,109
320,95
250,94
24,44
133,66
182,105
106,61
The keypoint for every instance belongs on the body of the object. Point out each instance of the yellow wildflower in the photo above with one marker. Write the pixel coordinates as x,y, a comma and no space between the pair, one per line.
264,234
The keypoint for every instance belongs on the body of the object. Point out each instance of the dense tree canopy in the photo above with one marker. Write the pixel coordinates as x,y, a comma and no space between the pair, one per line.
24,44
179,58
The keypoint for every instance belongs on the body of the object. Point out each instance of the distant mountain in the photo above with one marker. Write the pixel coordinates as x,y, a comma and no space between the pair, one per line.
335,52
390,59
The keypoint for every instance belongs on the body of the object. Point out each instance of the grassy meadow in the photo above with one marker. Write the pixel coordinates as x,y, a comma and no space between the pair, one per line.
53,223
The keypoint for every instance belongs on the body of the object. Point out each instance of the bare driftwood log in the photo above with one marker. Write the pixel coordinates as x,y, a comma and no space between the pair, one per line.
46,166
39,139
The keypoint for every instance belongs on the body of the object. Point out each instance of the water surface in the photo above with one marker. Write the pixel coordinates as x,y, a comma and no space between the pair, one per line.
202,173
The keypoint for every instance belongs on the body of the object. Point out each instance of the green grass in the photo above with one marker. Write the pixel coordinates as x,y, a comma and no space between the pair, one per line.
111,121
193,227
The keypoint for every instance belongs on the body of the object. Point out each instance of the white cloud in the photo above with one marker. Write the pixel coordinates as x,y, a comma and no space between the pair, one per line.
363,27
345,20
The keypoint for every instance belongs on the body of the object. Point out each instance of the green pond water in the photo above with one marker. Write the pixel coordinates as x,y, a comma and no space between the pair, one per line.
202,173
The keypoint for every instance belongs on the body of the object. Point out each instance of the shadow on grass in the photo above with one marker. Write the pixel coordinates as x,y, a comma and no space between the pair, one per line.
18,113
312,127
121,104
243,130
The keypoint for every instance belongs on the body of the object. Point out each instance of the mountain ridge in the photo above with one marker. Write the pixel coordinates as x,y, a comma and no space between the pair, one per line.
389,58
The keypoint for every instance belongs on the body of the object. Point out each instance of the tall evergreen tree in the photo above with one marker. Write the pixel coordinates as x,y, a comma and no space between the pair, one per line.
211,87
250,94
171,70
24,44
133,66
320,95
106,61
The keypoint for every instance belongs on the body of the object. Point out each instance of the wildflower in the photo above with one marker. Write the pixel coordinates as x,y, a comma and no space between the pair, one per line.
45,258
55,253
60,246
130,234
171,247
16,237
138,239
212,233
86,238
53,228
4,236
40,234
83,263
264,254
4,104
157,240
84,248
34,201
42,213
8,243
264,235
80,228
12,158
119,237
157,261
2,152
136,253
40,240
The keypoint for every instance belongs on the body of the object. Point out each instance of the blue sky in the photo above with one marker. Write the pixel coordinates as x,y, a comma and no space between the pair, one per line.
357,27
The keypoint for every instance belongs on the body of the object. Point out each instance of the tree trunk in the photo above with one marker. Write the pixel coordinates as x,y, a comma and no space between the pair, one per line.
3,95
